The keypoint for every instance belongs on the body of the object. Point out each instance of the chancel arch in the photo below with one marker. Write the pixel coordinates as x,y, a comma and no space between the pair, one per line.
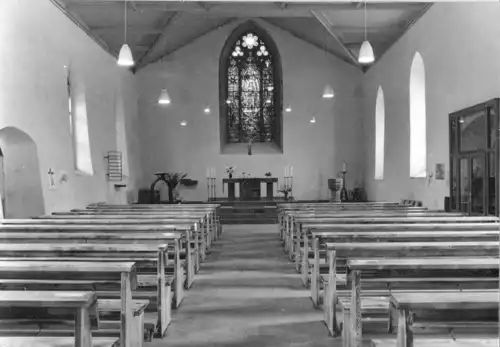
250,89
418,119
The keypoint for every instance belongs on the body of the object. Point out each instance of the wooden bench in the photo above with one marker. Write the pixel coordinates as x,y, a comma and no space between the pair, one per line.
409,309
299,222
150,260
440,342
391,274
79,308
422,250
154,239
80,273
192,224
44,341
203,218
322,237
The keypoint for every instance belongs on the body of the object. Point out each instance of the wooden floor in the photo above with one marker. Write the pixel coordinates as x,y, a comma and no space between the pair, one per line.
247,294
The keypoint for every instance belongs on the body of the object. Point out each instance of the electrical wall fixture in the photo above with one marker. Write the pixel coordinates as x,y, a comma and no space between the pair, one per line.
206,110
288,108
164,97
125,57
183,123
328,92
313,120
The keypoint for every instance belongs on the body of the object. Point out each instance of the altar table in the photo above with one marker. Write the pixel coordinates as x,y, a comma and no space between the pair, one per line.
249,187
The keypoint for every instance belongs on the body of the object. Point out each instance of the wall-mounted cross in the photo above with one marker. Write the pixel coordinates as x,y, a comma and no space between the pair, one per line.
51,175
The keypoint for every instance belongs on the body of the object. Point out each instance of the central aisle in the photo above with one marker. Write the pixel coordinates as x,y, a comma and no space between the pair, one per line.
247,294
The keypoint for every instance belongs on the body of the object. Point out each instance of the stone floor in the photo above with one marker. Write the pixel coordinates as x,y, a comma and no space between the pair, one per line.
247,294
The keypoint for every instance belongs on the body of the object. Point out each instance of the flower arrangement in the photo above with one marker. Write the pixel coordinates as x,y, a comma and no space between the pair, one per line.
230,170
268,174
285,190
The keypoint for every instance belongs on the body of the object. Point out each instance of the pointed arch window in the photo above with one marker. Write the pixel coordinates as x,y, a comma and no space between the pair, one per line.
418,119
250,88
379,134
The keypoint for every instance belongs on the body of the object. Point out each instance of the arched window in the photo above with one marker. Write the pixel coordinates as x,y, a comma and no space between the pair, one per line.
78,123
379,134
250,88
418,131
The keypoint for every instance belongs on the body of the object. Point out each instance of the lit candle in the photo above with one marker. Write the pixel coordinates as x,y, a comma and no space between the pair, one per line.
291,171
214,172
285,172
344,167
208,172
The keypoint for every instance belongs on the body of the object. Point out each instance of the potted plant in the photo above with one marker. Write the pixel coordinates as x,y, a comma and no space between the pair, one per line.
285,191
173,180
230,170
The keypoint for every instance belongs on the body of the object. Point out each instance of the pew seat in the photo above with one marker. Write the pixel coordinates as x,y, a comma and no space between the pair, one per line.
43,341
440,342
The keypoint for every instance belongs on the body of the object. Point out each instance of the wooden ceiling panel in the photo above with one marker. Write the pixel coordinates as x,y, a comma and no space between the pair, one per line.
158,28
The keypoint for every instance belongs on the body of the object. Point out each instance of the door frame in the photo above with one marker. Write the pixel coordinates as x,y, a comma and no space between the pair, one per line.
456,154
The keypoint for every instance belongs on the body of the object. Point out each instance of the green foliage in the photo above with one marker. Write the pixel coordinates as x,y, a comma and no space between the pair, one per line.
174,178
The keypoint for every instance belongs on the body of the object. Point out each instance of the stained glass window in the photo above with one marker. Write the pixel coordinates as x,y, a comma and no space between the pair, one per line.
251,91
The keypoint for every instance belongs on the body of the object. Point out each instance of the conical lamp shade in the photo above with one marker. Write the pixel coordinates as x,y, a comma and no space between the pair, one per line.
125,57
164,97
366,55
328,92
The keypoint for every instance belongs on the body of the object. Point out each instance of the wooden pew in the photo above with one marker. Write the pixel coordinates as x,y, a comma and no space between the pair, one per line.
188,221
65,272
150,262
462,304
342,252
196,244
211,219
415,273
155,239
80,308
324,231
299,222
321,237
39,341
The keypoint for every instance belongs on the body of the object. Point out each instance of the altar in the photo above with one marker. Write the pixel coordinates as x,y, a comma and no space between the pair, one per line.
250,188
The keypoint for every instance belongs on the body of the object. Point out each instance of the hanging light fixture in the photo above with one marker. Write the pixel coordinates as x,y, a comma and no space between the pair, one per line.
125,57
164,97
328,92
366,55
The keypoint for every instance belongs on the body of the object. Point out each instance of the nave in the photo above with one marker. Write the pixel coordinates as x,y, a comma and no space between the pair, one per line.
247,294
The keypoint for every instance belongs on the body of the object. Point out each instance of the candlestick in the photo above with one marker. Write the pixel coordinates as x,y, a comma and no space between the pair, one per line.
344,167
291,171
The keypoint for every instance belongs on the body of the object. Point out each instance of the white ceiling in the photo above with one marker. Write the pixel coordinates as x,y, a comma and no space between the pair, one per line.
157,28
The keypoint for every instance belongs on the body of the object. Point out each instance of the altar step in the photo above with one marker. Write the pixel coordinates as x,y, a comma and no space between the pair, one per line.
248,213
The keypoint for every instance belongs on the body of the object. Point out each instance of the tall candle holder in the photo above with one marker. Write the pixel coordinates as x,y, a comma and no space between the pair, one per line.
211,184
343,192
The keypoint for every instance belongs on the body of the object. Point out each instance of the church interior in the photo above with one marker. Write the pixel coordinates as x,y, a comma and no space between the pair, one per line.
249,173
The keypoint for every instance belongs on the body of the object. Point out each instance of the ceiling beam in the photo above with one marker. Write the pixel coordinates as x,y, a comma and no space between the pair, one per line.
409,24
328,27
158,39
81,24
186,43
297,36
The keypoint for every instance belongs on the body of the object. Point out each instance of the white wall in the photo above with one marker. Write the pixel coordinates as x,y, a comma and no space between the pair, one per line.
38,40
460,46
315,150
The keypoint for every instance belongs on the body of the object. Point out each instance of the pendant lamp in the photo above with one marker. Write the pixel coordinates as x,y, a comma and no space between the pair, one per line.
328,92
164,97
125,57
366,55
